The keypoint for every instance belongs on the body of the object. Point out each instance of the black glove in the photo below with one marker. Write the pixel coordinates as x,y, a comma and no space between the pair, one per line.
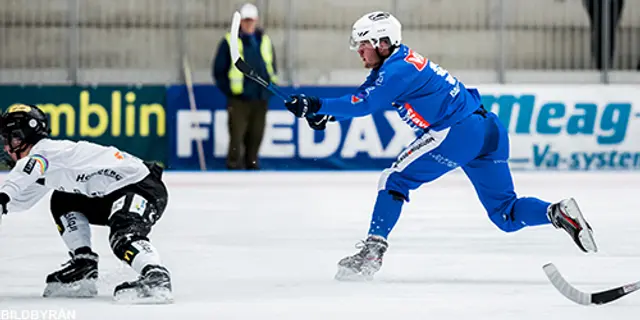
319,121
4,200
301,105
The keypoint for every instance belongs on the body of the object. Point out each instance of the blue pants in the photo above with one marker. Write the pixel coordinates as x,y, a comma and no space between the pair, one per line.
480,146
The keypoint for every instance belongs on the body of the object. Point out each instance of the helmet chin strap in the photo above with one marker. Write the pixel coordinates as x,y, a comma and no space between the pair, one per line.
18,151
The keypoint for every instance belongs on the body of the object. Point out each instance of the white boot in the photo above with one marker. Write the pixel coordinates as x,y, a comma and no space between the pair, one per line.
567,216
364,264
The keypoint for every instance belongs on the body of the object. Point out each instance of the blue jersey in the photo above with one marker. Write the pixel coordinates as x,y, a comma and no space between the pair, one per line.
424,94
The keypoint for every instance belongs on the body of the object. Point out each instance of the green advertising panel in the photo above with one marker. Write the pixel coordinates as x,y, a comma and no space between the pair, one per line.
130,118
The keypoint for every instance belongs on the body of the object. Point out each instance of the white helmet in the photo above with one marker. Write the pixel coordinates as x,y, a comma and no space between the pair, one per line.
375,26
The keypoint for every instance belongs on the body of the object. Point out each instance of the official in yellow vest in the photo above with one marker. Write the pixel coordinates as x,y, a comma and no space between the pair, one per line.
247,101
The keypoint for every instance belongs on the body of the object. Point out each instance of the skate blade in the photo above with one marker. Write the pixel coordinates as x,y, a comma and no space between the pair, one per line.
585,235
152,296
80,289
346,274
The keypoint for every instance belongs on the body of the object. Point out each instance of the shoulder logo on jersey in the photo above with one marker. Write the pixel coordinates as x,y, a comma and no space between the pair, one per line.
118,155
36,159
416,59
42,161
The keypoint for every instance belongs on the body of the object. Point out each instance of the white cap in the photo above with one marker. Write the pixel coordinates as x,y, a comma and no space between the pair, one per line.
249,11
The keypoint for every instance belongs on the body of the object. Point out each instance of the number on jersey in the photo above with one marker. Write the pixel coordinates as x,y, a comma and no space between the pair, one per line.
418,61
442,72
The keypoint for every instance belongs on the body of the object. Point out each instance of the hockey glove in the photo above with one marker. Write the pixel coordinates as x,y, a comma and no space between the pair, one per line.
301,105
4,200
319,121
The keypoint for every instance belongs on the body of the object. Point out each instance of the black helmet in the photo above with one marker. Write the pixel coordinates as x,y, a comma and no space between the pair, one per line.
25,123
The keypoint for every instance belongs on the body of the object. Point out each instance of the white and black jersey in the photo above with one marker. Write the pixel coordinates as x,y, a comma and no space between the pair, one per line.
75,167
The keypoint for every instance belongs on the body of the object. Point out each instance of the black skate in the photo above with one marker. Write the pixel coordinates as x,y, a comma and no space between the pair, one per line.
364,264
566,215
153,286
77,279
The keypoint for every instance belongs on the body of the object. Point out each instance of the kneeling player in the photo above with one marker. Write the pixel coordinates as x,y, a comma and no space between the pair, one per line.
92,184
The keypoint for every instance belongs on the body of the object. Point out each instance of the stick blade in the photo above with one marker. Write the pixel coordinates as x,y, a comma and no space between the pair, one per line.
233,46
564,287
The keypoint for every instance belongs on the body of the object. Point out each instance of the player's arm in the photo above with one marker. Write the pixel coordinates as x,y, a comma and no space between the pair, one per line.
319,121
25,173
366,101
331,118
27,198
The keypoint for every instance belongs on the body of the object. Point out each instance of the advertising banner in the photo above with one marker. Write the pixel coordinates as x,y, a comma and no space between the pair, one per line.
585,127
131,118
364,143
552,127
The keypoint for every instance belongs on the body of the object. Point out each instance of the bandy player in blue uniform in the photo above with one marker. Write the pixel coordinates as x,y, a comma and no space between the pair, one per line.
453,130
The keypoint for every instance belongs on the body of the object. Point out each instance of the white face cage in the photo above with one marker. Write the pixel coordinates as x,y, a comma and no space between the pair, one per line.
355,45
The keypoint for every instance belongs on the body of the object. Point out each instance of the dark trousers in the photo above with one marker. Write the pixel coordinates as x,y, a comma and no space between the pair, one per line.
246,129
595,9
129,212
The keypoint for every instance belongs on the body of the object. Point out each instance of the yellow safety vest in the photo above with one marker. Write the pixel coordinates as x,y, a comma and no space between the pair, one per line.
236,78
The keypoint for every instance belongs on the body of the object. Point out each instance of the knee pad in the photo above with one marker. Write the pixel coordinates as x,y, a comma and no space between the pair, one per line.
121,244
125,229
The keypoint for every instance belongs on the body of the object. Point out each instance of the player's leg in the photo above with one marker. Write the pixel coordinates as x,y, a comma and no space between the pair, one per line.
237,113
73,214
134,212
426,159
491,178
255,134
494,186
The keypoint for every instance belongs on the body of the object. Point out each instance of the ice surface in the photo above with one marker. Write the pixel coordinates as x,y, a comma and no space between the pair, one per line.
264,245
